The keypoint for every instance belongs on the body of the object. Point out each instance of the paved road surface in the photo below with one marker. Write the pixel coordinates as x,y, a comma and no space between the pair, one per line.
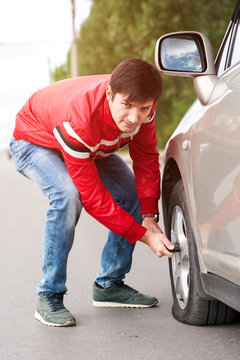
100,334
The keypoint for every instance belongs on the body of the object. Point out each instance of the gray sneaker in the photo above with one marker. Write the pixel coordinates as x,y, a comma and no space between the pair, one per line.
121,295
52,312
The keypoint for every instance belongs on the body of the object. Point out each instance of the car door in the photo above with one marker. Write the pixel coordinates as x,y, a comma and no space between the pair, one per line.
215,158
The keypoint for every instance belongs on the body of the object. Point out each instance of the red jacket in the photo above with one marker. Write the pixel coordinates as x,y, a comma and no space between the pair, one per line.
73,116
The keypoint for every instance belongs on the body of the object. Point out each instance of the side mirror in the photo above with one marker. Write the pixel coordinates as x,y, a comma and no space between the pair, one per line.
189,53
184,54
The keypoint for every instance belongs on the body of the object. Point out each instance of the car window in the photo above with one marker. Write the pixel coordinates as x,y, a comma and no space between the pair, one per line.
229,53
236,46
222,56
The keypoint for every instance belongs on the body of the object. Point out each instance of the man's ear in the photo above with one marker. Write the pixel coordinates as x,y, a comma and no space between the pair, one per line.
109,93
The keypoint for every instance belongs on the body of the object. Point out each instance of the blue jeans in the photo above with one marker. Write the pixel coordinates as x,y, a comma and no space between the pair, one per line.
46,168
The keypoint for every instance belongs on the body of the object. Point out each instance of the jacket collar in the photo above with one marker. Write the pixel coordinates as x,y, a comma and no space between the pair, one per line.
108,120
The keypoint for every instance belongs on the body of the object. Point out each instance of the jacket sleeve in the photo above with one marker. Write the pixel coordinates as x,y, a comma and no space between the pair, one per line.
95,197
144,153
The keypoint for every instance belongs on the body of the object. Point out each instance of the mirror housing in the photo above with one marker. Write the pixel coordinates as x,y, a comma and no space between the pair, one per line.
188,53
185,53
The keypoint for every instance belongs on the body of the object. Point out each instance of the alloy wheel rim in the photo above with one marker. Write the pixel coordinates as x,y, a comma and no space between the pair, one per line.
180,260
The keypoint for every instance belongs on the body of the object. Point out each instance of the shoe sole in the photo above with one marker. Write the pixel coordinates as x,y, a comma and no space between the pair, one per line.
104,304
40,318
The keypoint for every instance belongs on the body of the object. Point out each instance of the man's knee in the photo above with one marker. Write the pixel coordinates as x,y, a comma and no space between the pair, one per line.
66,199
130,202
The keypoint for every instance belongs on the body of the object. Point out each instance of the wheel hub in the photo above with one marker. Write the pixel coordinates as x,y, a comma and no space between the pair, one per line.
180,260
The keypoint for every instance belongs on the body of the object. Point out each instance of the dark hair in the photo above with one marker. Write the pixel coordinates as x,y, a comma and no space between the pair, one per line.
138,79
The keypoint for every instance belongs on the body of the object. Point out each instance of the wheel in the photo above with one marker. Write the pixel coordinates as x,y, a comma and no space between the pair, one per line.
188,304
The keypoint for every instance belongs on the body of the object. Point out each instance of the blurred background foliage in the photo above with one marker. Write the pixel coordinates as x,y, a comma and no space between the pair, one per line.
118,29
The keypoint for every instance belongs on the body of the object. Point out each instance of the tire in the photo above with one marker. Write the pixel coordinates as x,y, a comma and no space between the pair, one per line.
188,305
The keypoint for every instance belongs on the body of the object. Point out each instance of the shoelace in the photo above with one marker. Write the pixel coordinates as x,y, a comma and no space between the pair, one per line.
55,301
121,284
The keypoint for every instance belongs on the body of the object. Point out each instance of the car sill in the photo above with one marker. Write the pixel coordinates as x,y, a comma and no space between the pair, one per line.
221,289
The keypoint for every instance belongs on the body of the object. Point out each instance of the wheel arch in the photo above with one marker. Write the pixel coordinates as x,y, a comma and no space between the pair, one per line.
171,176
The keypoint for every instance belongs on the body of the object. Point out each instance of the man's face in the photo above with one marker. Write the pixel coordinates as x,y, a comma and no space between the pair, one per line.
127,116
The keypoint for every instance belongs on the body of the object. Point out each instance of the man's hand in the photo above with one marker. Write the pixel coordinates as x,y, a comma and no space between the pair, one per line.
156,240
150,224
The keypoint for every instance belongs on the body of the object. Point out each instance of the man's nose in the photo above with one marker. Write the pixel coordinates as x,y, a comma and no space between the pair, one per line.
133,116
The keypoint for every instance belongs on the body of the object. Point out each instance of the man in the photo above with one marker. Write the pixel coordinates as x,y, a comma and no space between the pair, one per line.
65,140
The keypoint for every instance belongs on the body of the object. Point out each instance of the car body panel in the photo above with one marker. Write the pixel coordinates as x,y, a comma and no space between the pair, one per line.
215,150
204,152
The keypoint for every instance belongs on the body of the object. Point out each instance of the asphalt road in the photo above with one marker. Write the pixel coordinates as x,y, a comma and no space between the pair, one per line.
100,334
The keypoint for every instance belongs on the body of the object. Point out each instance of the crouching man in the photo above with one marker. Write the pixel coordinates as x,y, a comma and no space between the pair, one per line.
65,140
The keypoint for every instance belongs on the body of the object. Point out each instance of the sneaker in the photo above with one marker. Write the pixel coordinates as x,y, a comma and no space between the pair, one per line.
52,312
121,295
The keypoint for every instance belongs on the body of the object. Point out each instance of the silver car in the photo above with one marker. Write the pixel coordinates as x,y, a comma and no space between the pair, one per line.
201,178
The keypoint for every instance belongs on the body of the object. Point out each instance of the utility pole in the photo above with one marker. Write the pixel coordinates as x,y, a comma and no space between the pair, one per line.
74,48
